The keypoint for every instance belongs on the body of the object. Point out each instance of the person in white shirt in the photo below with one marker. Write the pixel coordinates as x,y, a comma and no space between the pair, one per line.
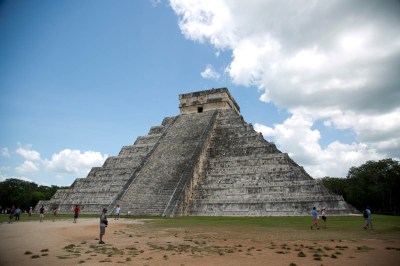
324,218
117,212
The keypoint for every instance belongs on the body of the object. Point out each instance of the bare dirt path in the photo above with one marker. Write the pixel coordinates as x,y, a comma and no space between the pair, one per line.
133,242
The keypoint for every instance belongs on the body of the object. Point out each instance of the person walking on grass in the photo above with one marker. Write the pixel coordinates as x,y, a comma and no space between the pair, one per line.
76,213
323,214
367,219
314,214
41,213
103,225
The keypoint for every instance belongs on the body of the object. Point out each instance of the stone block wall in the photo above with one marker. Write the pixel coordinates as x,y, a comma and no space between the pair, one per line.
247,175
103,185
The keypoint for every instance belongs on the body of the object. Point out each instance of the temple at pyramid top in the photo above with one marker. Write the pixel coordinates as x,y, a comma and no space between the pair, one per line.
207,100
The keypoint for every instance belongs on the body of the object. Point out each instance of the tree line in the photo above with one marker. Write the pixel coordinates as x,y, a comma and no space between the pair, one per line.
23,194
375,184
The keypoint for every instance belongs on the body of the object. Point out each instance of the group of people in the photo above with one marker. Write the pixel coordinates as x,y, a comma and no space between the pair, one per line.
314,213
103,217
315,217
14,214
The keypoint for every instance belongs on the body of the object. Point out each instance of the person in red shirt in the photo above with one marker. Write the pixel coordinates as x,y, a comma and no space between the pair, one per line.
76,213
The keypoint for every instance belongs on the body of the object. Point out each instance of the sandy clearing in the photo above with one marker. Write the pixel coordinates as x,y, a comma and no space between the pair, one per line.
131,242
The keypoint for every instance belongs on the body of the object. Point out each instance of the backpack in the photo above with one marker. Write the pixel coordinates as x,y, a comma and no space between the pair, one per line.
365,214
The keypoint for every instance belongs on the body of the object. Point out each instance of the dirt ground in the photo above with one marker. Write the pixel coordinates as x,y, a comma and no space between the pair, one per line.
133,242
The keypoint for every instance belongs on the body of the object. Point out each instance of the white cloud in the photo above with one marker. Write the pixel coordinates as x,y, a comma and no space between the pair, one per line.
74,162
210,73
336,62
297,136
27,167
28,154
4,152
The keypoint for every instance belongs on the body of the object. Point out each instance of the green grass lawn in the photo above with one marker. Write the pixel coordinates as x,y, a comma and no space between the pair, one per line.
293,227
4,218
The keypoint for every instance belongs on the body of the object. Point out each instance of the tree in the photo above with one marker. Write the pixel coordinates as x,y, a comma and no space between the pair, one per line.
375,184
23,193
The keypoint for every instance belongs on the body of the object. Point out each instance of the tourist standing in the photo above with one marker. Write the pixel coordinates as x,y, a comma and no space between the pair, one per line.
76,213
55,209
30,213
41,213
103,225
323,214
117,212
17,213
367,218
314,214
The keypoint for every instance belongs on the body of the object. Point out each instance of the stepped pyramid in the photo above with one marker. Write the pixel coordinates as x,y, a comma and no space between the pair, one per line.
205,161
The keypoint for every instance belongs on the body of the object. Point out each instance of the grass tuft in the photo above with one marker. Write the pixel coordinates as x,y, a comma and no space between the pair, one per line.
301,254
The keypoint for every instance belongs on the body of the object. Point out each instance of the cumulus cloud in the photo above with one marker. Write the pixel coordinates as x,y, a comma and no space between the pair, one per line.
27,167
296,135
28,154
74,162
210,73
336,62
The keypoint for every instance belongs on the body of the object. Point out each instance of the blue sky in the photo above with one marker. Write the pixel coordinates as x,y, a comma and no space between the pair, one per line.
81,79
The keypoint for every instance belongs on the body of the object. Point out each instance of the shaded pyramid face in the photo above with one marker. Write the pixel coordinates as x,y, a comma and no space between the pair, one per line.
205,161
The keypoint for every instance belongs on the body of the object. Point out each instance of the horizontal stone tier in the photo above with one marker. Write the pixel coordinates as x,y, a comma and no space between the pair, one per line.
104,178
129,151
238,151
99,171
302,205
238,197
127,162
241,181
233,131
90,198
262,169
106,188
100,185
251,161
241,142
157,130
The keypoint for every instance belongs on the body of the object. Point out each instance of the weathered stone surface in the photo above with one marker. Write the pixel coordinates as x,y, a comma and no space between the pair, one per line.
205,161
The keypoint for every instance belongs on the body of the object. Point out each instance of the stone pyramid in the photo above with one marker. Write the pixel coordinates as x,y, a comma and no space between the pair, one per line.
205,161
